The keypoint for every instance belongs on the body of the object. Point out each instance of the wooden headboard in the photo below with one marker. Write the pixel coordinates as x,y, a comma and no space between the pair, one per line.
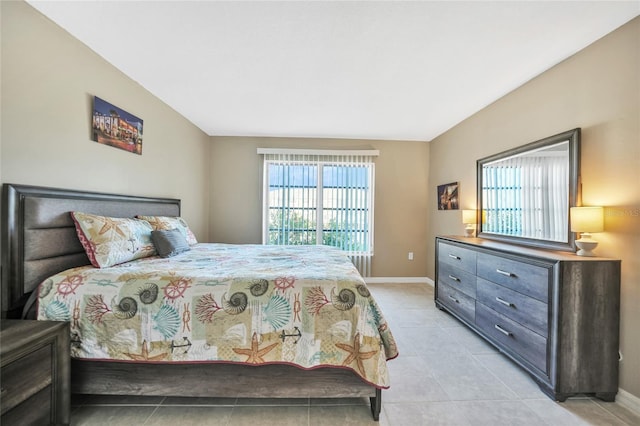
39,237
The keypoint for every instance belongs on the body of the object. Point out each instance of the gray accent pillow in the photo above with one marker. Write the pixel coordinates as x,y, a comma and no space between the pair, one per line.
169,242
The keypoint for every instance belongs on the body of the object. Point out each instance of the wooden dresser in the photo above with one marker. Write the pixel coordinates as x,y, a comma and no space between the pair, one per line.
555,314
34,372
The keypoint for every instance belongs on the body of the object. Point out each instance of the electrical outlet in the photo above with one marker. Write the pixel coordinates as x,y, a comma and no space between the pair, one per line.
410,255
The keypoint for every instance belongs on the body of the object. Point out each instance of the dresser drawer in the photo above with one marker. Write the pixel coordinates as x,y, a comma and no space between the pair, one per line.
522,341
458,302
36,410
526,310
26,376
457,278
457,256
532,280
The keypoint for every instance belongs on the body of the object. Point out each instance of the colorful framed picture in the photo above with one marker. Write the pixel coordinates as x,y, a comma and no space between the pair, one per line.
448,196
116,127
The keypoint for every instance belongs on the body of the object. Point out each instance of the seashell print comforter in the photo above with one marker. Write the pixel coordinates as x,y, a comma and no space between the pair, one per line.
248,304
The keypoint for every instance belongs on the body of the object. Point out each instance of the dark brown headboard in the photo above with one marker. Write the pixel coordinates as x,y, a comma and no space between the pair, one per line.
39,237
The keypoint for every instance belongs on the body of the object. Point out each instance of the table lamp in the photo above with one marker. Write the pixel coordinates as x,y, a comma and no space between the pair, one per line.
586,220
469,219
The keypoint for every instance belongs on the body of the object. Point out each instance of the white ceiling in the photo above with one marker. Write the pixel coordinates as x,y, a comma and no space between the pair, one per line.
334,69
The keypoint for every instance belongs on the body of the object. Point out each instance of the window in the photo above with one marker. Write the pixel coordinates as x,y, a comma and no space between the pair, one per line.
320,197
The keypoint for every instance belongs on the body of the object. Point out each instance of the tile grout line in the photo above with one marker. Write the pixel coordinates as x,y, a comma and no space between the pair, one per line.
151,415
611,413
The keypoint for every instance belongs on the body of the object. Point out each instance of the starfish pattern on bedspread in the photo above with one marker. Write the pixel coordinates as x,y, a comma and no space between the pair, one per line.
144,355
355,354
255,354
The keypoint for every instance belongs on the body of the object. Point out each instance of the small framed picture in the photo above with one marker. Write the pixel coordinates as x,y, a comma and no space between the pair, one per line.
116,127
448,196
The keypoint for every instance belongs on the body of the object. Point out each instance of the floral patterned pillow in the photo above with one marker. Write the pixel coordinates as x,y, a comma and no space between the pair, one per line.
168,222
109,241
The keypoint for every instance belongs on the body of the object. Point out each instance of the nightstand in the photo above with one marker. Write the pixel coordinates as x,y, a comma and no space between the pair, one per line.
34,372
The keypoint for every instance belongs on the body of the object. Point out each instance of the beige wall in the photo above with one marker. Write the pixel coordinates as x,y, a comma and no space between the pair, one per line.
597,89
400,196
48,81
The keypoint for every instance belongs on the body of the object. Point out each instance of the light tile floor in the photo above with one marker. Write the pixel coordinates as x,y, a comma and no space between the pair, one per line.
445,375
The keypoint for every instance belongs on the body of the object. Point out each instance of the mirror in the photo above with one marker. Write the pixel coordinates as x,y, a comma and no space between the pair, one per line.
525,193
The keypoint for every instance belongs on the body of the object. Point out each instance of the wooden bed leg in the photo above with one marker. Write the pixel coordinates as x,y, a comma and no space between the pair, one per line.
376,404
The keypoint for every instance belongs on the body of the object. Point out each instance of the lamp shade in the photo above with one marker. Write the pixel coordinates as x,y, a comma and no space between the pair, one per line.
587,219
469,216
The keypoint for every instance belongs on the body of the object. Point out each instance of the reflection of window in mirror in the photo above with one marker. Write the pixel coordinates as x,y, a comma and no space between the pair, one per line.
526,195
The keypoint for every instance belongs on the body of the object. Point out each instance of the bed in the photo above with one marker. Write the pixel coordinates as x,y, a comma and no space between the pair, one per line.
40,245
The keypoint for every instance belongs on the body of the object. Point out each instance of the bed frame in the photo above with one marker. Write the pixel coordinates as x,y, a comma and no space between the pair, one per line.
39,240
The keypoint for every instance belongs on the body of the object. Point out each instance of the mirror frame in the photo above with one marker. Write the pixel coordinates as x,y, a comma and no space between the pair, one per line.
573,136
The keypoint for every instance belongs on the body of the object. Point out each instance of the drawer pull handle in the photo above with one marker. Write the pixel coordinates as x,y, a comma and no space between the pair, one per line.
502,330
453,256
454,278
453,298
504,302
508,274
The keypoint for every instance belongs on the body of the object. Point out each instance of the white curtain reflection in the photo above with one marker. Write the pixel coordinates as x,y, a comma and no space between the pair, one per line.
527,196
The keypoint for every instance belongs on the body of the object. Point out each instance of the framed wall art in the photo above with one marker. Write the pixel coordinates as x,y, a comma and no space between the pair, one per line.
448,196
116,127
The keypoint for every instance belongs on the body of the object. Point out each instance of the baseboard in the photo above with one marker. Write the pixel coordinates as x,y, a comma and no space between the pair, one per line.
628,400
399,280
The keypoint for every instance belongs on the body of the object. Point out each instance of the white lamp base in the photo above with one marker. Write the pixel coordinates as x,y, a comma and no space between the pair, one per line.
586,245
468,231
